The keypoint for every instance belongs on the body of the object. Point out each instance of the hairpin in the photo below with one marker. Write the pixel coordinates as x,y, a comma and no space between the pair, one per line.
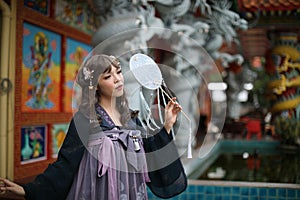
88,75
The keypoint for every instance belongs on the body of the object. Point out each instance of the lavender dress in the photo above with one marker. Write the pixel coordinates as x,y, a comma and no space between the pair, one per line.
113,167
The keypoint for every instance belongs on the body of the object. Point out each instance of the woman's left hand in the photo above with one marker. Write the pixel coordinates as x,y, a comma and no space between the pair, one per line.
171,111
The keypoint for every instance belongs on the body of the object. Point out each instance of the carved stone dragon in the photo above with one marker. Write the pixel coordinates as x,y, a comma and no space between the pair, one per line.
135,23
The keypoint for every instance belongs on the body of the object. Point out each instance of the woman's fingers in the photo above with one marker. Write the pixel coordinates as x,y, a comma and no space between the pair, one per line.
174,105
170,103
171,111
7,185
4,183
177,107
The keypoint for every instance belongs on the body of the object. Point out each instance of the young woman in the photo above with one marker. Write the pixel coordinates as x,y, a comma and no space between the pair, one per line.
107,154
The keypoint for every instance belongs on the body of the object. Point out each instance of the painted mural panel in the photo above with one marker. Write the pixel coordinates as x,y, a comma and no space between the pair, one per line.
76,53
33,144
41,70
42,6
58,133
78,15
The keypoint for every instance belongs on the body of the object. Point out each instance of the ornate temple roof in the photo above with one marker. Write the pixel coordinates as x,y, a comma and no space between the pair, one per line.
268,5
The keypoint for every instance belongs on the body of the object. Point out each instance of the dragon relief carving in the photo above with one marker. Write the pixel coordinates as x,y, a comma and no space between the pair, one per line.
192,38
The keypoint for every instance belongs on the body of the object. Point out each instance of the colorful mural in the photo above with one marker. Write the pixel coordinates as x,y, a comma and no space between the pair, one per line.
33,144
58,134
285,85
42,6
41,71
76,53
78,15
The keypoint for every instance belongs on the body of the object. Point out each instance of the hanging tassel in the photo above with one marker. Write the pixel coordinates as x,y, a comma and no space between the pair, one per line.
146,109
189,153
159,107
143,111
173,134
150,113
190,133
143,125
92,106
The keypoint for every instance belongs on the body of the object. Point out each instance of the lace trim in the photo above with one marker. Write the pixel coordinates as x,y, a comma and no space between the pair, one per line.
102,114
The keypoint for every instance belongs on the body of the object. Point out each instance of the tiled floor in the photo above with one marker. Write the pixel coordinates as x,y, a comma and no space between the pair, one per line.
204,190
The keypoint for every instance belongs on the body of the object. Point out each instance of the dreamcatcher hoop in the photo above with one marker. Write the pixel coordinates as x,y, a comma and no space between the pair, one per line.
146,71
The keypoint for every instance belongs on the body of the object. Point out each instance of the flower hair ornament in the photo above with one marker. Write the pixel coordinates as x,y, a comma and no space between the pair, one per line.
148,75
88,75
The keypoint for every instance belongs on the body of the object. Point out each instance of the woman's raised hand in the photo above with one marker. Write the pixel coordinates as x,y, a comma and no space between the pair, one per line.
171,111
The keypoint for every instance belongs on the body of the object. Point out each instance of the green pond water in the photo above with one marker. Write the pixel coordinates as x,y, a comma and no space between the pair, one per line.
255,165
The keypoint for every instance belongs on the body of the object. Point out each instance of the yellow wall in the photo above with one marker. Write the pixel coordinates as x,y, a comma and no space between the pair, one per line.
7,70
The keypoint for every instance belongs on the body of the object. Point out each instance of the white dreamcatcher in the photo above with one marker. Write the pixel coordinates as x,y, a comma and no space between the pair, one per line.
149,76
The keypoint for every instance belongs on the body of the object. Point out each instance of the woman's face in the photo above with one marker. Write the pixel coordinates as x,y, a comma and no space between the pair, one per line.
111,83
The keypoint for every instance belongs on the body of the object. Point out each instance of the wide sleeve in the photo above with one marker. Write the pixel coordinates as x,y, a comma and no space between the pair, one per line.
56,180
167,175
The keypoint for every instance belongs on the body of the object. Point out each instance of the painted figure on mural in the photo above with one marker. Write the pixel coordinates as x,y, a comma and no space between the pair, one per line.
107,154
79,14
38,77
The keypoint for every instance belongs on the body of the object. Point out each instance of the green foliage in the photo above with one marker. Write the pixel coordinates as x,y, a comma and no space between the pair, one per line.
288,129
260,88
